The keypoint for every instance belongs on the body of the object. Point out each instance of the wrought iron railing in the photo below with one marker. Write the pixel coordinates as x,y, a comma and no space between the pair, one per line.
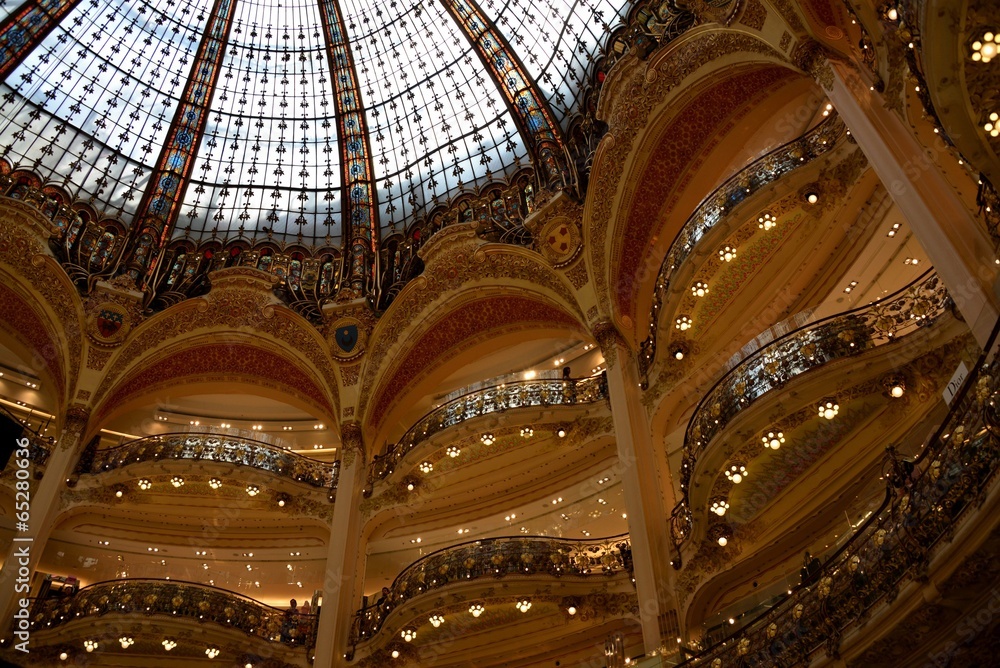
495,558
925,499
520,394
174,599
215,448
762,172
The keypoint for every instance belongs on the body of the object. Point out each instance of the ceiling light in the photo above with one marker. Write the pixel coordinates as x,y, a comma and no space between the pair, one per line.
90,645
488,439
985,49
63,656
253,490
408,634
215,483
283,499
766,222
436,620
523,605
177,481
678,354
773,439
510,517
395,653
683,323
126,642
571,610
720,507
212,652
727,253
119,493
699,289
409,487
527,432
736,473
828,409
561,433
851,286
453,451
426,467
812,196
723,541
476,609
530,375
602,502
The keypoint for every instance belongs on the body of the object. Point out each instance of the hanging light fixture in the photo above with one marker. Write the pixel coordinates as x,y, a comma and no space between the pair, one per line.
985,49
476,609
453,451
736,473
727,253
215,483
408,634
683,323
177,481
488,439
895,386
699,289
828,409
766,221
253,490
523,605
527,432
773,439
126,642
720,506
426,467
169,644
436,620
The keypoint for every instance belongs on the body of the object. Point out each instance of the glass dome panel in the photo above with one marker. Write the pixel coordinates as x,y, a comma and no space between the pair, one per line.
93,101
436,120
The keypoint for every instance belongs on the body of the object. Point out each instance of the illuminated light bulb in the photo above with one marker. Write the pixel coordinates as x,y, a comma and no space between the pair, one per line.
683,323
812,197
897,390
408,634
90,645
723,541
699,289
177,481
453,451
426,467
395,653
561,433
523,606
893,14
409,487
766,222
571,610
215,483
736,473
678,354
436,620
720,507
253,490
63,656
773,439
126,642
212,652
476,609
727,254
527,432
488,439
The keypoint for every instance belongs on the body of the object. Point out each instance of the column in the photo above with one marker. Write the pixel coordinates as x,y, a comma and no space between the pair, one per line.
956,243
344,564
648,520
44,508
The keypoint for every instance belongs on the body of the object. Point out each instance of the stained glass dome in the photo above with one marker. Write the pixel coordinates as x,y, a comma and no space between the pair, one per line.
244,117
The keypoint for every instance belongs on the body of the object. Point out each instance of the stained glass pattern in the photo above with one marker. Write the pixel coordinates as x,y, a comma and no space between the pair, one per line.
356,158
268,162
436,120
21,30
557,41
89,107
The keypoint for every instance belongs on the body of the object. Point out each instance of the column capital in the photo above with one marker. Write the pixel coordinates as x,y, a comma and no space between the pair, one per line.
610,339
352,442
74,424
813,58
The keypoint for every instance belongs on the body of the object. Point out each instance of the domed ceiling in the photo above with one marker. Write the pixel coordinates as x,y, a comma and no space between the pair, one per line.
393,105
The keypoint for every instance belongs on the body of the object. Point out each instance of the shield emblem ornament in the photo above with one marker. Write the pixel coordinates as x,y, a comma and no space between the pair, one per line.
109,324
347,337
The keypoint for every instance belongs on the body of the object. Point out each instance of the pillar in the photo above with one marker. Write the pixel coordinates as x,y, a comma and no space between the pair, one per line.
956,243
648,520
344,563
43,509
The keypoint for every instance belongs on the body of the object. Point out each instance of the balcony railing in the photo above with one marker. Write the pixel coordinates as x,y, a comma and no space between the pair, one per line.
837,337
168,598
924,502
215,448
762,172
497,399
495,558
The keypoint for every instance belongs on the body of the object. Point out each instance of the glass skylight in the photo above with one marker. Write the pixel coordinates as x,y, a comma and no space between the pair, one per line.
90,107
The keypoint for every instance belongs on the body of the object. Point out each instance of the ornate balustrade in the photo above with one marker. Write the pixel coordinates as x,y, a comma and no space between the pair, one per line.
762,172
924,502
836,337
491,559
174,599
213,448
519,394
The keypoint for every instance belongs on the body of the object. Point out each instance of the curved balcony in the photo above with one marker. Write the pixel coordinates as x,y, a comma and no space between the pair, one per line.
213,448
169,598
760,173
925,501
837,337
495,558
497,399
